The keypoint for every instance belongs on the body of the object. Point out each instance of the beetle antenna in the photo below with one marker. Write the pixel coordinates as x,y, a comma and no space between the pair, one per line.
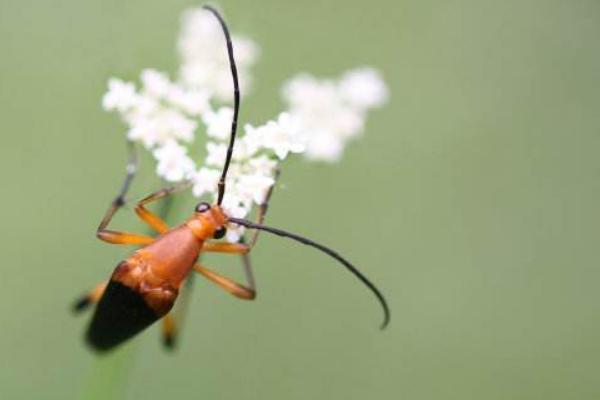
328,251
236,102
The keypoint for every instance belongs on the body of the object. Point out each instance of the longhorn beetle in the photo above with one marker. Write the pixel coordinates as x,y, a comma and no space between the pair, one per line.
144,287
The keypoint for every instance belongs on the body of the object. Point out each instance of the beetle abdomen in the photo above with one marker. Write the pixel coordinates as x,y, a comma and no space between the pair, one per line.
129,304
121,314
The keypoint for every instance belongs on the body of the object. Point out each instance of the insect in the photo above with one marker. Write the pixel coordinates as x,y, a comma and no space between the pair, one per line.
144,287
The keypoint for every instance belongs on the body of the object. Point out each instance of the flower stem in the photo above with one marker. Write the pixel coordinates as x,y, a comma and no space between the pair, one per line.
110,375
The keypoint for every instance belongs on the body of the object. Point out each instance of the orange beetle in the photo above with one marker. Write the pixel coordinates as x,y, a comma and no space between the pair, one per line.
144,287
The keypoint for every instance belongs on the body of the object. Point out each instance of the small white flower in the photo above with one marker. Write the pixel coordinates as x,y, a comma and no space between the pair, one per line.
205,181
345,122
364,88
253,138
143,106
155,84
282,136
218,124
263,165
234,233
192,101
121,96
173,163
309,94
255,186
243,149
234,205
246,51
325,147
216,153
162,126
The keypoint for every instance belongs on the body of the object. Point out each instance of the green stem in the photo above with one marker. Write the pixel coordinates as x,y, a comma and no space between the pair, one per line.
110,375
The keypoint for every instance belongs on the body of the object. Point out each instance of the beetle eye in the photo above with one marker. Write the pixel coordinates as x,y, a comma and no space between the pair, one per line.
202,207
219,233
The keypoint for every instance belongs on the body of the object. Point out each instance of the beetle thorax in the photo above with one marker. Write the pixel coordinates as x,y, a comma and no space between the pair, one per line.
204,225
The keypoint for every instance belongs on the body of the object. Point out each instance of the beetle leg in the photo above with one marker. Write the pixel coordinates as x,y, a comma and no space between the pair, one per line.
225,247
116,237
153,220
171,323
169,331
91,297
263,208
236,289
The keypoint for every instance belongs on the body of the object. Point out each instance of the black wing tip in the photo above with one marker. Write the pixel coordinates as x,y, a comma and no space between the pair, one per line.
97,347
121,314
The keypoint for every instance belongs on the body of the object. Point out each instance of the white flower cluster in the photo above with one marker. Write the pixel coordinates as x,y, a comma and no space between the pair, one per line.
161,116
165,115
329,113
254,163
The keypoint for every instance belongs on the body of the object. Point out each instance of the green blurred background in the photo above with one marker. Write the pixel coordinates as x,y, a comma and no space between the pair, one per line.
472,200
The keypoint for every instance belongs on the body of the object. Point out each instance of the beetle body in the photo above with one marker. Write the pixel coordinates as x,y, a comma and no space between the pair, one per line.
144,287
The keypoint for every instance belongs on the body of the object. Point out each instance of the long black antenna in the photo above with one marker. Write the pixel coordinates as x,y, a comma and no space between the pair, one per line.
328,251
236,102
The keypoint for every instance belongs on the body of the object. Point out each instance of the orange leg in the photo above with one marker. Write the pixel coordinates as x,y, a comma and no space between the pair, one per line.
92,297
153,220
169,330
235,248
236,289
116,237
224,247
